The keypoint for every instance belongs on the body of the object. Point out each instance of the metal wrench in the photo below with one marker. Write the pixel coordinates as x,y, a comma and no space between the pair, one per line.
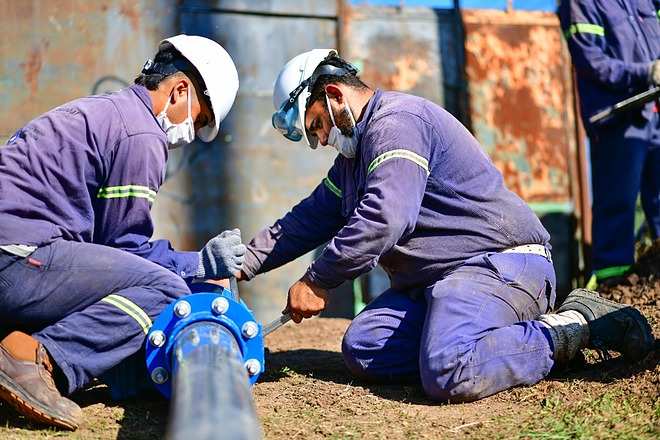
276,323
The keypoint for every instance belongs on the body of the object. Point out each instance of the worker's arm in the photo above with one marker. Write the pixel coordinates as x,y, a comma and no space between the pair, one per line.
123,204
585,33
397,172
309,224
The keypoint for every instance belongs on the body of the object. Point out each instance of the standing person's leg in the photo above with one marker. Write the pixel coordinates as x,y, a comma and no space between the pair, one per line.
92,305
382,342
616,169
480,336
650,191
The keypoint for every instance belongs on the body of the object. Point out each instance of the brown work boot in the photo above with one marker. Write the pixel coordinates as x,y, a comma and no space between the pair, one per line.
26,382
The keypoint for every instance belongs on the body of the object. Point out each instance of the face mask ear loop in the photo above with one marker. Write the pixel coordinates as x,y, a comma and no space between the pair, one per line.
167,105
332,117
350,112
189,103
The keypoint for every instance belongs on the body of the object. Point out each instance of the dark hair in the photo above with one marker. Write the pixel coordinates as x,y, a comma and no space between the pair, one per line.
167,62
349,78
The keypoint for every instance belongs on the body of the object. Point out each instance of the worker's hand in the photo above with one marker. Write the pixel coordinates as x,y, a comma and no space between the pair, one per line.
222,257
305,300
654,73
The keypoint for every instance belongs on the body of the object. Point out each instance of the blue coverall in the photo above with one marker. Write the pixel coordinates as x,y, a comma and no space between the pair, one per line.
612,44
423,200
78,183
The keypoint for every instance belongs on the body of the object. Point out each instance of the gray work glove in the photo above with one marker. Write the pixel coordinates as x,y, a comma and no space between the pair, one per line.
654,73
222,257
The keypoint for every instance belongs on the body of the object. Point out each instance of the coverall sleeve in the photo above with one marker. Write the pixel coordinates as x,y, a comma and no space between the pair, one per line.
585,32
123,204
309,224
397,169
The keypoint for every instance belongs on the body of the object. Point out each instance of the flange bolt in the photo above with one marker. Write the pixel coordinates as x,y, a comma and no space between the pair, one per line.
182,309
157,338
253,367
159,375
220,306
250,329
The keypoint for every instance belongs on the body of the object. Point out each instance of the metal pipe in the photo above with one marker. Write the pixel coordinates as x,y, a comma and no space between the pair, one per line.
211,397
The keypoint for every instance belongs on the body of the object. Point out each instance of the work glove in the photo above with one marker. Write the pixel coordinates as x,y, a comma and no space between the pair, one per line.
654,73
222,257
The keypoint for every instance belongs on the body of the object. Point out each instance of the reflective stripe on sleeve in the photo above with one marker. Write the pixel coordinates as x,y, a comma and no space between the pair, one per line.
131,309
401,153
332,187
585,28
116,192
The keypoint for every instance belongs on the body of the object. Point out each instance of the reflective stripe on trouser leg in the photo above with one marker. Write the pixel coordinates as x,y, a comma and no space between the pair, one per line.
87,343
131,309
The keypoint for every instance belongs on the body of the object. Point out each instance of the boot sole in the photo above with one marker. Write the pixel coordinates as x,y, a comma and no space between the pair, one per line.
642,324
30,407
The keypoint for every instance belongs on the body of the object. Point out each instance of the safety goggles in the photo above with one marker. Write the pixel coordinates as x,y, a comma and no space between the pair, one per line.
286,121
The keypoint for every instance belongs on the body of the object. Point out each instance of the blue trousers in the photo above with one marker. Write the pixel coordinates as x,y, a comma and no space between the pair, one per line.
469,335
89,305
622,168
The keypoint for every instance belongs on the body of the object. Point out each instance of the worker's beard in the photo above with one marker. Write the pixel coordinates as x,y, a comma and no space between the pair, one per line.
344,122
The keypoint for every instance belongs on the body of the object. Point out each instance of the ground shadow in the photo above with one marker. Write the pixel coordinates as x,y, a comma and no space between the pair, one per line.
329,366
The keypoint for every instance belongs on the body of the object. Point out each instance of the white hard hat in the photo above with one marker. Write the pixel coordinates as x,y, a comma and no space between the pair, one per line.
291,120
218,72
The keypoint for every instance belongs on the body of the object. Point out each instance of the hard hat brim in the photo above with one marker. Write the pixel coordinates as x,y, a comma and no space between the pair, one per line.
217,81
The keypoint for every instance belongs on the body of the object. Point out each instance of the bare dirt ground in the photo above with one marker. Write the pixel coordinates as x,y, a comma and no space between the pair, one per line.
307,393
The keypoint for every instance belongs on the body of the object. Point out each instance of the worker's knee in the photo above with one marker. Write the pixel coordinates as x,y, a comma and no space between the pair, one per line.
167,283
450,378
355,350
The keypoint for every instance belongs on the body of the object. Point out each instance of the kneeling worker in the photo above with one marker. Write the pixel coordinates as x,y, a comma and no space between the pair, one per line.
472,281
80,280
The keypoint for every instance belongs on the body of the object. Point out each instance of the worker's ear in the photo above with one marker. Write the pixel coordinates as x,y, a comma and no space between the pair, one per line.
334,93
180,91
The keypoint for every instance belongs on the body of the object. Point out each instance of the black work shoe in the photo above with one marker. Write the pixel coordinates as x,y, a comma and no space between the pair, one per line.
29,387
612,326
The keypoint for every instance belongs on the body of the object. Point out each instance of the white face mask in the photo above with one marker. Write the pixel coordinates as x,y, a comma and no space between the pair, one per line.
178,135
345,145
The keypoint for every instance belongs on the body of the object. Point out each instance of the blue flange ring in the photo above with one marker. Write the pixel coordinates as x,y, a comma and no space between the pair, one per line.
226,311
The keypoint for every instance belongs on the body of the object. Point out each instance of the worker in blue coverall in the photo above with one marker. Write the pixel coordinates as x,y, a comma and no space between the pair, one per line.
472,280
615,47
80,280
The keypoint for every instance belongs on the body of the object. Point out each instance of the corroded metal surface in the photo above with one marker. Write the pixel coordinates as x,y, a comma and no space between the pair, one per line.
521,110
412,49
520,94
55,51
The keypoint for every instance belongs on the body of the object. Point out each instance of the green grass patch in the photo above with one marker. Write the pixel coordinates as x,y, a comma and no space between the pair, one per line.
612,415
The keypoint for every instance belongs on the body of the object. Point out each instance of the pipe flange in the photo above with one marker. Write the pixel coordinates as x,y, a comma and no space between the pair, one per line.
202,307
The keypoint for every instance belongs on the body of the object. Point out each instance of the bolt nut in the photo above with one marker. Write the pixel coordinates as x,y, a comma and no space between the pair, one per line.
157,338
182,309
160,375
220,306
250,329
253,367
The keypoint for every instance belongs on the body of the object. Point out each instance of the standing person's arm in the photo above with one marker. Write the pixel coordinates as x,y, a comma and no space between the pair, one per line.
309,224
123,204
585,33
